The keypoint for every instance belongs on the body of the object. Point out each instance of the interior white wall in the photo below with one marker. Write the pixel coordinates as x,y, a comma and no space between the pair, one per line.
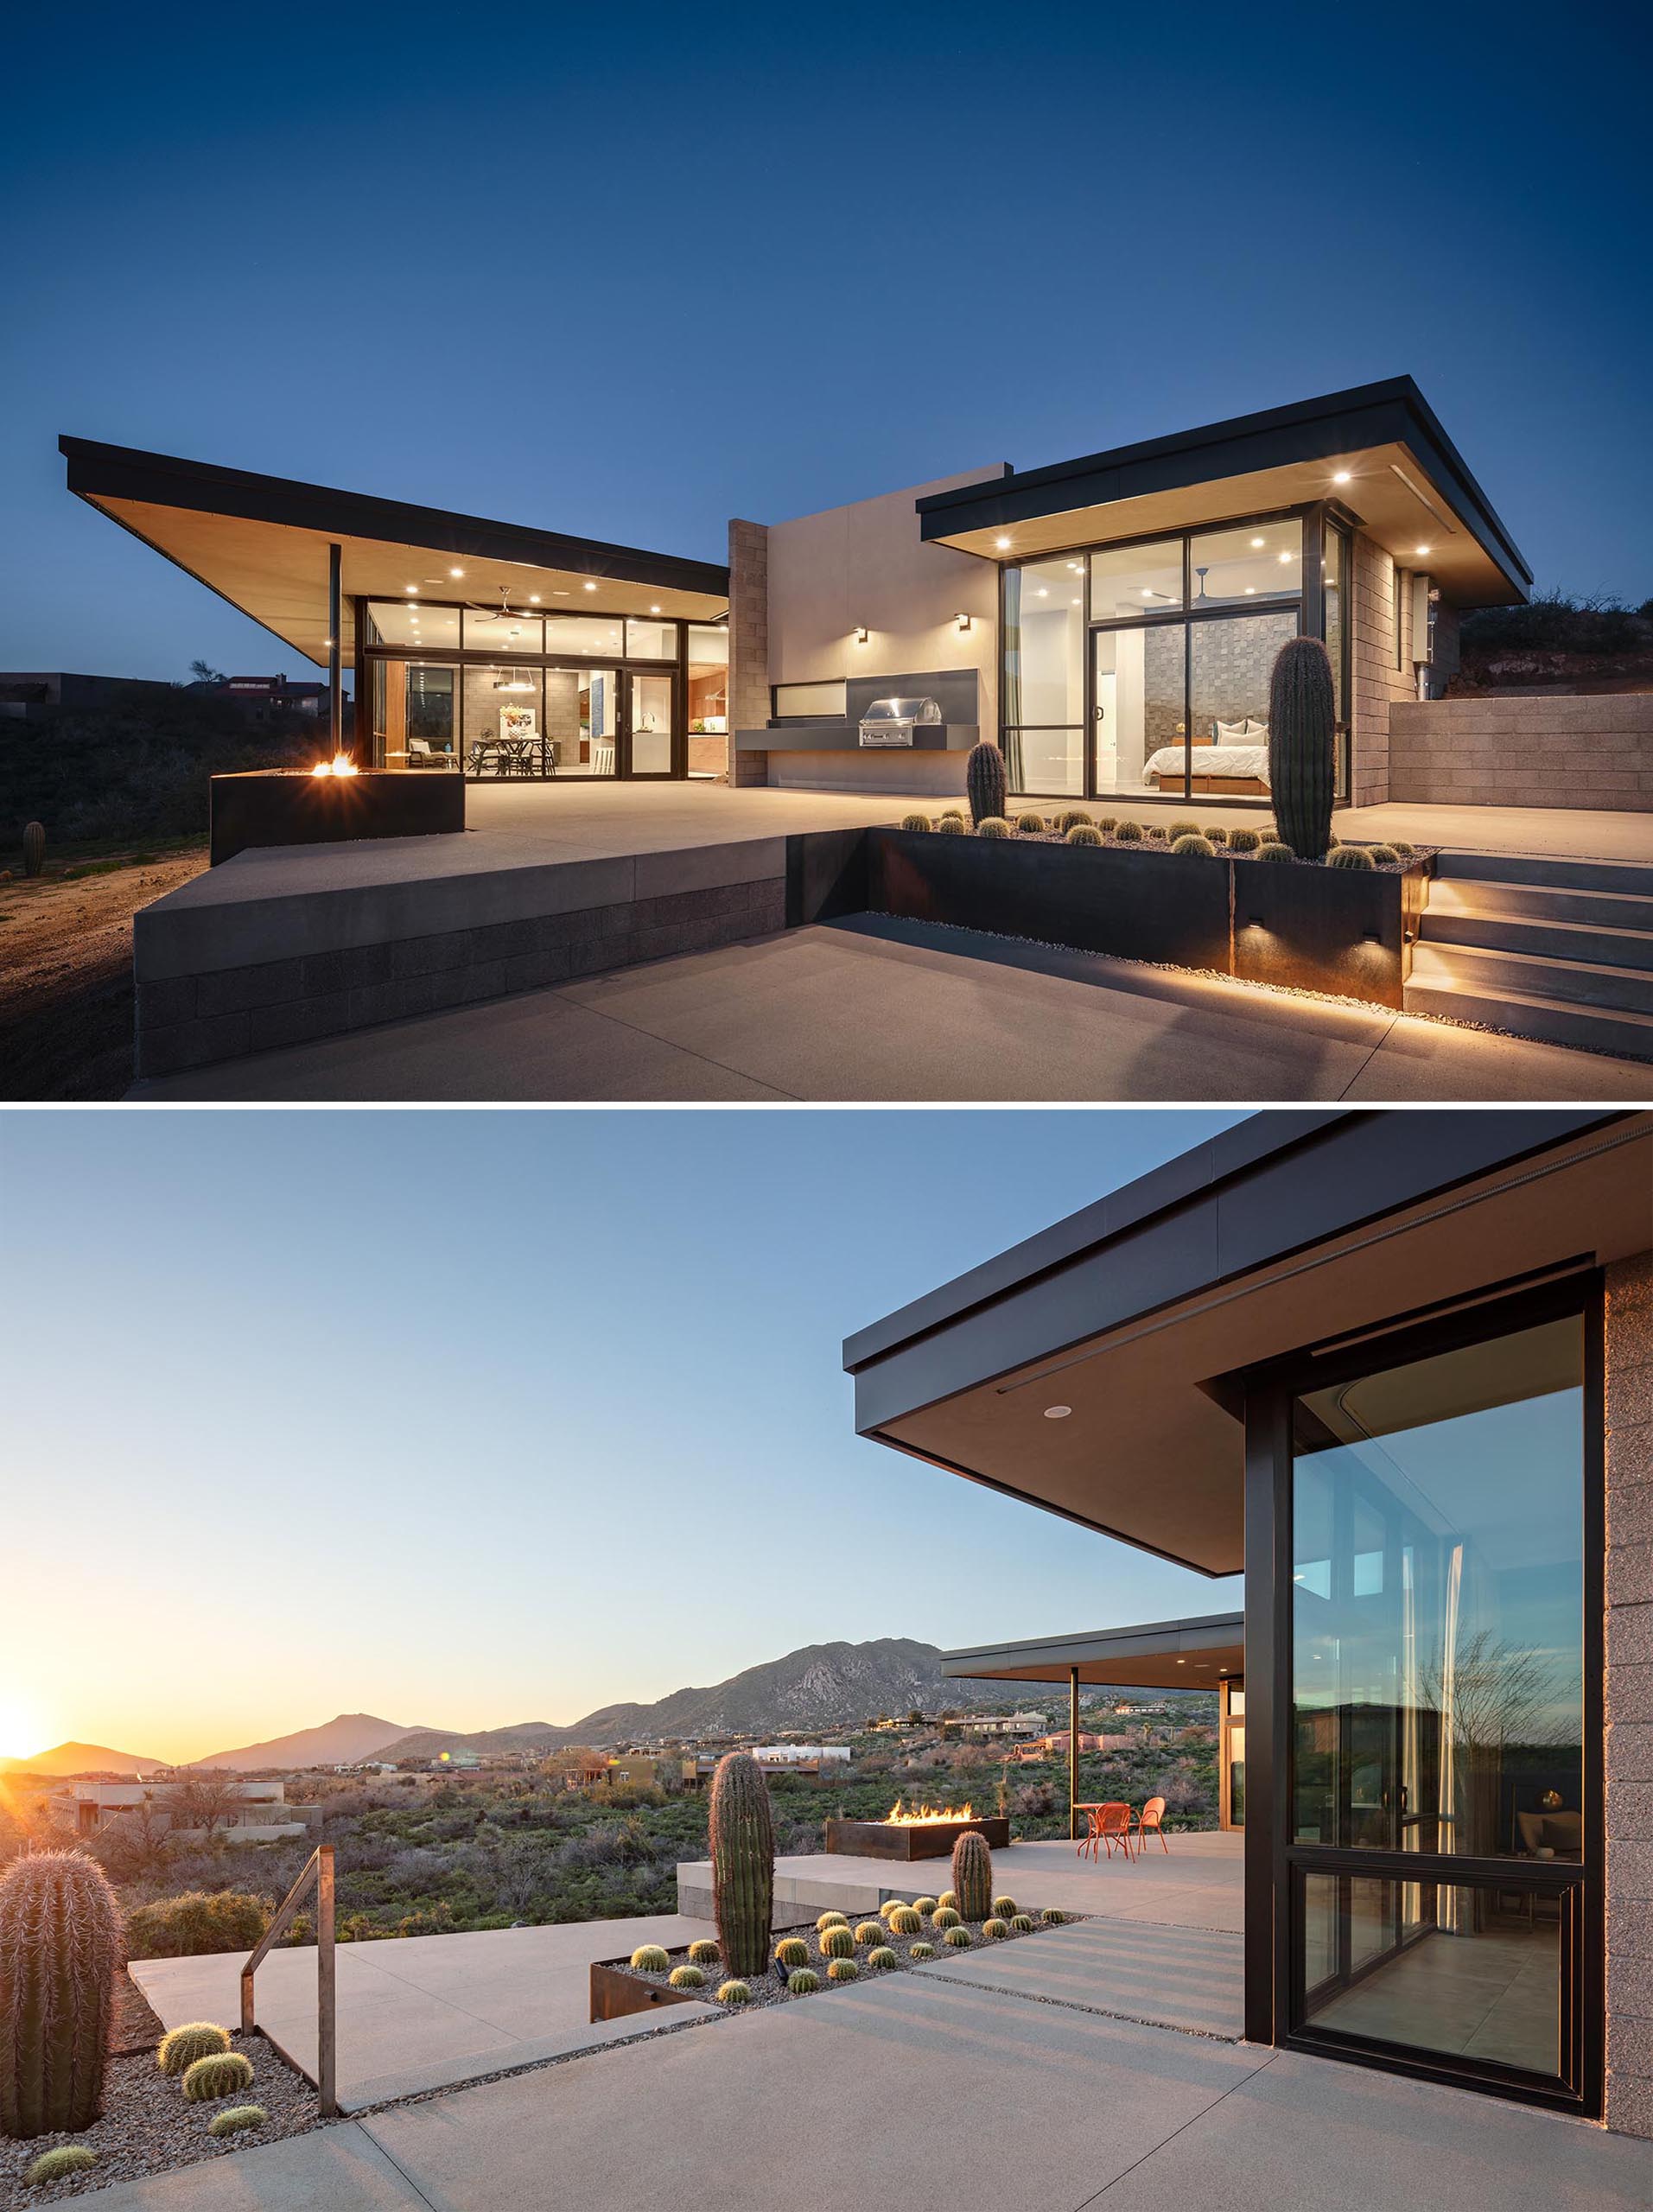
866,563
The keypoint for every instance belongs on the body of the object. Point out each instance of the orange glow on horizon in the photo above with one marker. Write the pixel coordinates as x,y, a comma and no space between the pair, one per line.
22,1728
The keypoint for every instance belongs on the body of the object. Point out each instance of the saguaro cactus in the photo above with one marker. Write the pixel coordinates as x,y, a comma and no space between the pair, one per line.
1302,765
60,1946
973,1875
984,782
743,1862
33,848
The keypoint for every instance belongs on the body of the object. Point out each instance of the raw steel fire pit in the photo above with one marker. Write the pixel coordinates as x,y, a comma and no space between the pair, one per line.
921,1832
286,806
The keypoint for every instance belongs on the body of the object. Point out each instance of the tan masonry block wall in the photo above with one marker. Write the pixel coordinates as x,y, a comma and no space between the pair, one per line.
1628,1695
1378,684
1555,751
748,645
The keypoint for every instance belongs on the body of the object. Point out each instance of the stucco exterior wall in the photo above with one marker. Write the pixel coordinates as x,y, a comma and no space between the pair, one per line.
1628,1696
866,563
1376,681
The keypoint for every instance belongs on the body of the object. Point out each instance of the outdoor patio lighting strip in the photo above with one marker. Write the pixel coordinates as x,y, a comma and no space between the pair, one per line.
1429,505
1325,1259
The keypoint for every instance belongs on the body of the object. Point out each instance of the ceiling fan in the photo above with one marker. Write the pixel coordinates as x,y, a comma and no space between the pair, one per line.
504,612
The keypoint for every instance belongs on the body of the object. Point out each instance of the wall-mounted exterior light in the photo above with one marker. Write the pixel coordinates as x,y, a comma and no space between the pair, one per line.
861,634
964,622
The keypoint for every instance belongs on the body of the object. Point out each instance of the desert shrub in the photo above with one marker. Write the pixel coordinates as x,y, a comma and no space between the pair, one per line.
803,1981
195,1923
57,2166
1554,621
235,2118
844,1970
222,2076
180,2050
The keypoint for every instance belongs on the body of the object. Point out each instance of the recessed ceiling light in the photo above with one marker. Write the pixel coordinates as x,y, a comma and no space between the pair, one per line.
533,599
1041,592
1251,591
1422,550
1182,1663
1002,544
1285,560
1342,476
1073,602
410,586
456,572
590,584
1058,1413
1256,540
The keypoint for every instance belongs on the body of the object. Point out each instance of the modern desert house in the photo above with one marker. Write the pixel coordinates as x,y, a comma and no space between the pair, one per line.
1396,1370
1111,620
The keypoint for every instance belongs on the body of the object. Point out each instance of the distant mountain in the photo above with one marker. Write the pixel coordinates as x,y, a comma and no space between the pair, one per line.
823,1686
81,1758
341,1741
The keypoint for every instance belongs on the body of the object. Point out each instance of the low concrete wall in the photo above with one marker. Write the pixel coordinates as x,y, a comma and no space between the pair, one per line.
1565,750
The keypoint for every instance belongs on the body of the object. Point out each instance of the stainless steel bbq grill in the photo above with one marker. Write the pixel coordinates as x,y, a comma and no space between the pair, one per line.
892,721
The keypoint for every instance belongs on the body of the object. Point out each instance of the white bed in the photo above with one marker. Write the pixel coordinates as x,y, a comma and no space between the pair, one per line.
1214,767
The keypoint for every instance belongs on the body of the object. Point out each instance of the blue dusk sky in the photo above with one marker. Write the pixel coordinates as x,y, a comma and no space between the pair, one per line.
473,1419
628,272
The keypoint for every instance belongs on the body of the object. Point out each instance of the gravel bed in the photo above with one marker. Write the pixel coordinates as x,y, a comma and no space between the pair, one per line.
770,1988
147,2127
1146,844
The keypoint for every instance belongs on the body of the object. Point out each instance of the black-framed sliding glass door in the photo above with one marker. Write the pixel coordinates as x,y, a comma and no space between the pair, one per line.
1430,1508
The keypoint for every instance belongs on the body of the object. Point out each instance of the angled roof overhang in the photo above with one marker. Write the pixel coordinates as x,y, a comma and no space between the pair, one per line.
1292,1231
261,543
1408,487
1187,1655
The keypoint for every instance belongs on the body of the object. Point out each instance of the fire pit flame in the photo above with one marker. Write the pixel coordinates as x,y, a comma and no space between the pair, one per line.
913,1816
341,765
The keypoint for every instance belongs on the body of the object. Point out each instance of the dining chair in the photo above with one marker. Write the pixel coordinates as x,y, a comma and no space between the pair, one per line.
1114,1827
1148,1823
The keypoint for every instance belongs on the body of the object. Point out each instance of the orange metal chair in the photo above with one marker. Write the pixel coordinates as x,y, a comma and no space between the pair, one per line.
1147,1824
1112,1826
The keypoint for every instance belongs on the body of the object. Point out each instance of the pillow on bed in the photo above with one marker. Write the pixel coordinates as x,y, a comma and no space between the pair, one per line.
1231,733
1257,732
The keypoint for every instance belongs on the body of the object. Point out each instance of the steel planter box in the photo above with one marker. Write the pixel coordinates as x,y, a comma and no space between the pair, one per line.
909,1841
285,806
1342,931
615,1993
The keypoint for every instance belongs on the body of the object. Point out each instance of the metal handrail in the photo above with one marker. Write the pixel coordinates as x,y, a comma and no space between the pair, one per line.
318,1867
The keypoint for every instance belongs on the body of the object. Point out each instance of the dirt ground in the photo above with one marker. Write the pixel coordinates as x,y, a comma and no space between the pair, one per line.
66,972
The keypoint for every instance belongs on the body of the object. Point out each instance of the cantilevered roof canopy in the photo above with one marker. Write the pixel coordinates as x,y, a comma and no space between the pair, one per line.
261,543
1407,486
1158,1655
1292,1230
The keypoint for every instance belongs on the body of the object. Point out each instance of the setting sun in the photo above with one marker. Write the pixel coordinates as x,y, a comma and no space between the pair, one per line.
21,1729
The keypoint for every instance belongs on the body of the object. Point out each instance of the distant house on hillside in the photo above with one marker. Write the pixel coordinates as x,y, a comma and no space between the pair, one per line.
247,1811
30,694
1005,1725
269,698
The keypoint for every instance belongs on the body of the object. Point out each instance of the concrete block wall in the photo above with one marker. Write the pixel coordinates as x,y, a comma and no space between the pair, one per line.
748,645
1589,751
1628,1696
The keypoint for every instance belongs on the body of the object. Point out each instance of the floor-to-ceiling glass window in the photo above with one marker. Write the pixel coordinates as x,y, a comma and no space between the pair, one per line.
1171,696
707,669
1438,1772
1334,584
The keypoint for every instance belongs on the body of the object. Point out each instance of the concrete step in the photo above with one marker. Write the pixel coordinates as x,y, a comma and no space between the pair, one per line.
1633,878
1613,910
1452,922
1587,983
1447,981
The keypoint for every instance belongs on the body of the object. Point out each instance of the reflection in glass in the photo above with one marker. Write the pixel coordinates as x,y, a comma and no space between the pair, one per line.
591,634
415,717
405,622
1137,712
651,725
493,630
709,698
1438,1622
1436,1966
1128,582
1043,616
1255,560
651,640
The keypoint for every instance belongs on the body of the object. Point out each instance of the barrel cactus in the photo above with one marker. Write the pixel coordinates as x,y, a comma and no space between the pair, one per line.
921,1950
890,1906
1302,748
837,1943
1074,817
57,2166
1156,831
687,1978
953,825
958,1937
704,1952
1355,856
996,1929
791,1951
222,2076
651,1958
869,1931
180,2050
1199,847
915,822
906,1922
1402,851
1053,1916
1128,833
734,1992
1030,825
1244,841
1175,829
1107,822
993,825
973,1875
1005,1908
59,1947
235,2119
844,1970
1083,833
923,1907
1021,1923
984,781
803,1981
1276,851
831,1920
948,1901
742,1839
880,1958
33,848
1215,832
1382,855
945,1916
